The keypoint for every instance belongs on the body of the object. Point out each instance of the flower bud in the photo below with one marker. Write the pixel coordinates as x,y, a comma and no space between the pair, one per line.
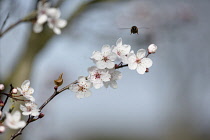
0,114
1,103
41,115
1,87
152,48
147,70
59,81
2,128
14,91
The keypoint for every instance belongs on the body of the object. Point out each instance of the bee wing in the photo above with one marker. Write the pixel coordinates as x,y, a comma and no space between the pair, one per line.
124,28
144,28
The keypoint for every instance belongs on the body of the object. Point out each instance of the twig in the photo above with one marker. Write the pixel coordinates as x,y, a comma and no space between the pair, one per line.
48,100
10,27
5,102
4,22
31,16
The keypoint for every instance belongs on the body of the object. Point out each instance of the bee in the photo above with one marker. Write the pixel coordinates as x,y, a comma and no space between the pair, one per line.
135,29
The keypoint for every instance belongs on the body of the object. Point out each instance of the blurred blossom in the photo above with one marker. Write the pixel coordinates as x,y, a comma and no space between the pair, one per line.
13,121
1,86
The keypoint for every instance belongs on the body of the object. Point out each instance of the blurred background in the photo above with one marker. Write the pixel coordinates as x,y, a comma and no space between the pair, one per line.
171,102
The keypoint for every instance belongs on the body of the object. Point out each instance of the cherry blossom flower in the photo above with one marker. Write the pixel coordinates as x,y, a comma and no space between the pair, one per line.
56,23
138,61
121,50
115,75
13,121
30,109
98,76
81,88
26,90
50,15
152,48
105,58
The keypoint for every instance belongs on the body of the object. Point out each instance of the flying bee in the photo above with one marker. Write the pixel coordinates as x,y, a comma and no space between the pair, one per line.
135,29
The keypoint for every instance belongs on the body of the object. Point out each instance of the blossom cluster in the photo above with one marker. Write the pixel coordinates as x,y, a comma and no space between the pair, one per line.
45,13
104,72
13,121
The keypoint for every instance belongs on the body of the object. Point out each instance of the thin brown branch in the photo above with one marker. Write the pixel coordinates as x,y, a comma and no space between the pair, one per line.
31,16
10,27
4,22
5,102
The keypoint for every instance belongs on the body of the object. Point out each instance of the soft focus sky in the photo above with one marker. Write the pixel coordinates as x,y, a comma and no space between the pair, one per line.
171,102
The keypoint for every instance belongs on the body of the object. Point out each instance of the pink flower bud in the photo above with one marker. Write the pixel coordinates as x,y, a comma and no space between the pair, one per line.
1,103
2,128
41,115
14,91
1,87
0,114
152,48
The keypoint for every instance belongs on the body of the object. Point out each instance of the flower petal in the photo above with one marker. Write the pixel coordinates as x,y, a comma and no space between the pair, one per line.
106,50
97,55
147,62
25,85
112,56
61,23
101,64
53,12
110,64
26,113
57,30
23,108
132,58
21,124
141,53
113,84
37,28
132,66
87,93
42,19
16,116
141,69
119,42
97,85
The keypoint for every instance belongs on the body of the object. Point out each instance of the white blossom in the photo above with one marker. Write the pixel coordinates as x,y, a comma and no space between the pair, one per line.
1,86
138,61
13,121
50,15
105,58
81,88
152,48
121,50
98,76
115,75
26,90
2,128
30,109
56,23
